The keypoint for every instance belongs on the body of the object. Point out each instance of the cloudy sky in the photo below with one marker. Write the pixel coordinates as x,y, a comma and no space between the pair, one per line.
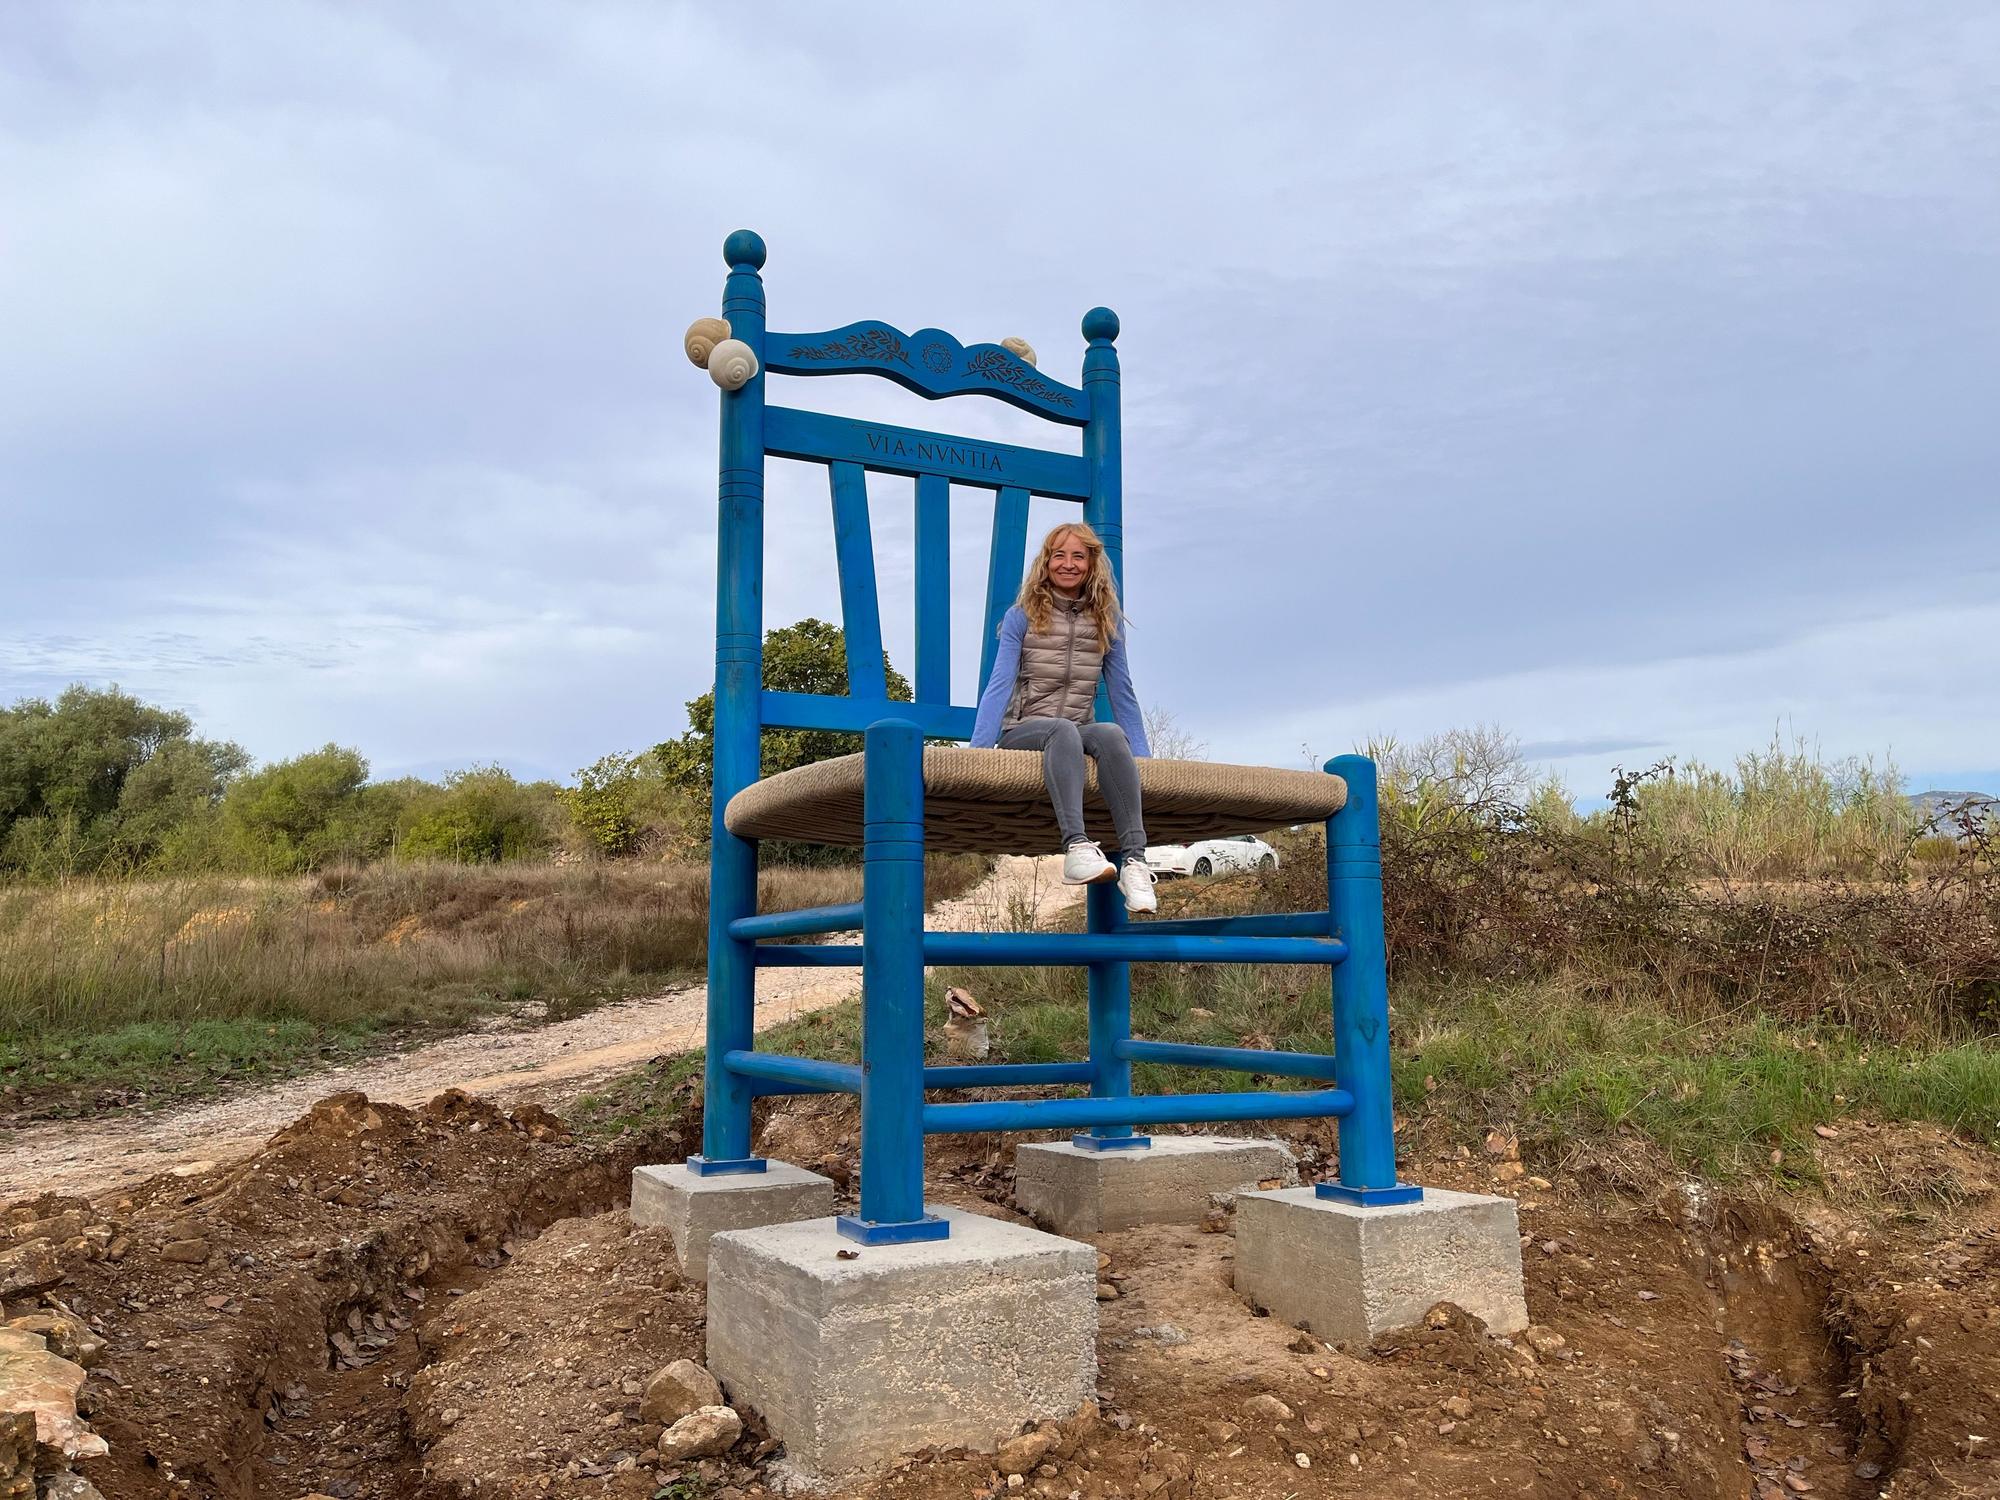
1623,376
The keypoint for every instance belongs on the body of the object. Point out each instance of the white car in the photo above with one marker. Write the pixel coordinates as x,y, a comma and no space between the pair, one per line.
1211,856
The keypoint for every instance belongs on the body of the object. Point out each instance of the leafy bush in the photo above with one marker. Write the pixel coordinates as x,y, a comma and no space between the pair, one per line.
626,804
100,779
295,814
483,816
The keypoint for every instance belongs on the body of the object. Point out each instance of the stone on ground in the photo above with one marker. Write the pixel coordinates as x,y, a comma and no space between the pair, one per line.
680,1388
702,1433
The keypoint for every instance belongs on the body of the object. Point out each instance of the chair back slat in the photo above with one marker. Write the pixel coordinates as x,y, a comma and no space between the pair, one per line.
1003,570
933,589
860,614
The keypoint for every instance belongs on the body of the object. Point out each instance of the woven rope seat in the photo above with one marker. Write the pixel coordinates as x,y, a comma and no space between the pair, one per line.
995,801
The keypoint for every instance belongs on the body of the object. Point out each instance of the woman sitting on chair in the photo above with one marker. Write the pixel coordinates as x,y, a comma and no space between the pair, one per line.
1059,639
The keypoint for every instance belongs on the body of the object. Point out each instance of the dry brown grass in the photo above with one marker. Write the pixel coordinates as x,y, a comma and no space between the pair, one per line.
1913,952
399,943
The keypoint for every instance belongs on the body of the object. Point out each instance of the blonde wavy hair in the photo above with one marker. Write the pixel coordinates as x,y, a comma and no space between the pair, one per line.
1099,593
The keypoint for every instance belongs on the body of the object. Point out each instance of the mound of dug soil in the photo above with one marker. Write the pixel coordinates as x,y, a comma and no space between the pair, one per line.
386,1303
258,1319
535,1380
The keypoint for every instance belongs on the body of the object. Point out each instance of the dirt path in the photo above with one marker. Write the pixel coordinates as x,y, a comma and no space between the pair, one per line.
506,1063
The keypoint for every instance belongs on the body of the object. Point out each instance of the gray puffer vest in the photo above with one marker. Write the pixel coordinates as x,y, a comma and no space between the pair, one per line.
1060,668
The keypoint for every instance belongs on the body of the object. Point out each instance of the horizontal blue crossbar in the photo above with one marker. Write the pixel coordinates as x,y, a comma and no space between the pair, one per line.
804,922
1149,1109
811,920
1243,1059
820,437
937,721
994,1075
1265,924
843,1078
1135,945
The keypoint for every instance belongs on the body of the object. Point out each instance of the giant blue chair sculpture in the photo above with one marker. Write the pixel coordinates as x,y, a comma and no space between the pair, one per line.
882,798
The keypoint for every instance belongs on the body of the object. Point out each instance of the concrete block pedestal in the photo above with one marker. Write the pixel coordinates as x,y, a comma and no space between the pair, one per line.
1079,1192
855,1361
1351,1273
694,1209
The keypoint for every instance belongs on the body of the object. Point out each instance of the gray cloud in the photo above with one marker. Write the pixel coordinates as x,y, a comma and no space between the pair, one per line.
1545,750
1516,366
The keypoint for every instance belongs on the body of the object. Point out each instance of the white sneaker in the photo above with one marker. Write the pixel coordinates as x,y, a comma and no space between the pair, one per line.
1136,881
1084,864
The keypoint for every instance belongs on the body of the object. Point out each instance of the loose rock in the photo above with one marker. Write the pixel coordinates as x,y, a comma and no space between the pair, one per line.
28,1269
1019,1455
64,1334
706,1431
682,1387
45,1386
1542,1340
185,1252
70,1487
1268,1405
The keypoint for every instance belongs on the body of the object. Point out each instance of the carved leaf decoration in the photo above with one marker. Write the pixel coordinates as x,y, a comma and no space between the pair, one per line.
1007,369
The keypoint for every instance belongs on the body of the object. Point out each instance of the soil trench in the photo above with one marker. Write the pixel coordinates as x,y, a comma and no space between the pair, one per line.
504,1062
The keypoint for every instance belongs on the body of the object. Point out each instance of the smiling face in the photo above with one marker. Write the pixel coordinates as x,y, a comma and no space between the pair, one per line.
1069,564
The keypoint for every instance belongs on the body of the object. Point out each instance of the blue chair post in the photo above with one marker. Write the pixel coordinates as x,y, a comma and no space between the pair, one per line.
1104,512
1110,1025
892,987
1361,995
1103,453
739,668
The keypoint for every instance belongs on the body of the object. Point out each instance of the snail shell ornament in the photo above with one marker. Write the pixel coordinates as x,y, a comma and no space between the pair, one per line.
702,336
732,365
1021,349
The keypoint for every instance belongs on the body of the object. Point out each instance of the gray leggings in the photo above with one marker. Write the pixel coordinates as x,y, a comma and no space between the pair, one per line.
1063,745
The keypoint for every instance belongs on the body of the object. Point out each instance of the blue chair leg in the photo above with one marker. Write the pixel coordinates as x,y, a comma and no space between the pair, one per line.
1110,1024
732,1010
892,993
1361,995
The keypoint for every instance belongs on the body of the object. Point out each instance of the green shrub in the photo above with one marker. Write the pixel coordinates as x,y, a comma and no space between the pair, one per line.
482,816
289,816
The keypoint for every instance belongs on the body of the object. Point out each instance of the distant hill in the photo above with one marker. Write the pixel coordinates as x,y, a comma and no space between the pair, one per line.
1946,808
1930,802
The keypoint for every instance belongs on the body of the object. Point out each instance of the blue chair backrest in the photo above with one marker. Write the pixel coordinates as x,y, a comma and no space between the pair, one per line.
935,365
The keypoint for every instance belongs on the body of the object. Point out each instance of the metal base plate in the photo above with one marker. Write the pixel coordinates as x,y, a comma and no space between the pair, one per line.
1402,1192
703,1166
1111,1142
905,1232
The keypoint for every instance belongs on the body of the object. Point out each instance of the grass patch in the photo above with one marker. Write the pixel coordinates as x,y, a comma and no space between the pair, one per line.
1715,1096
154,1062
